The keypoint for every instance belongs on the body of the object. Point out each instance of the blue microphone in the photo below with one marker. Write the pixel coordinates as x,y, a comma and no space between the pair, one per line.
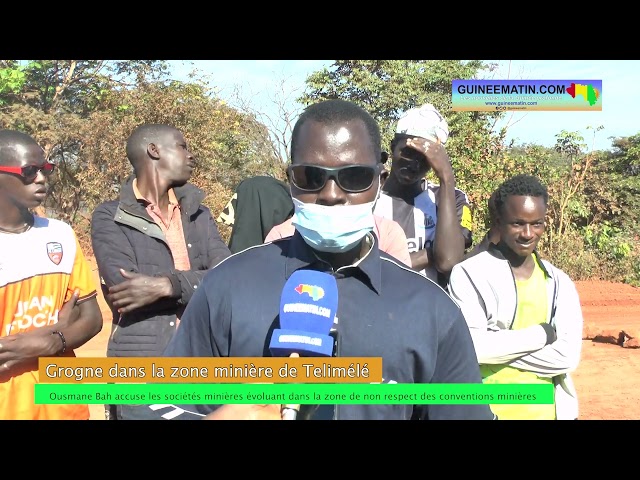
308,306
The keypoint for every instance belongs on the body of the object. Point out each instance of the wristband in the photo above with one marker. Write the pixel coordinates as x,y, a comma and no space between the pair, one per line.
64,342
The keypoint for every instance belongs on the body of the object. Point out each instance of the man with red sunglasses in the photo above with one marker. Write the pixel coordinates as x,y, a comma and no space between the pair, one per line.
30,172
48,303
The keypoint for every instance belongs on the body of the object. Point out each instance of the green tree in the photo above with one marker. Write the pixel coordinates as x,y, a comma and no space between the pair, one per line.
623,168
568,193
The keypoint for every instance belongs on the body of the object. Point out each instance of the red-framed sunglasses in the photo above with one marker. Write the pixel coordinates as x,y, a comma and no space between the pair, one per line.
30,172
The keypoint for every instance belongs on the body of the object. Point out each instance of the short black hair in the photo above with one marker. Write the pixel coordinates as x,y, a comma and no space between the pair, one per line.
334,111
9,139
142,136
520,185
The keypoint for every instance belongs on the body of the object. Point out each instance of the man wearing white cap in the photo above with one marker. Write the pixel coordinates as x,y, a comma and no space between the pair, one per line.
436,218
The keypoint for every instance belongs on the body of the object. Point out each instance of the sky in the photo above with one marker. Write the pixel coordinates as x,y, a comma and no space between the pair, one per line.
259,79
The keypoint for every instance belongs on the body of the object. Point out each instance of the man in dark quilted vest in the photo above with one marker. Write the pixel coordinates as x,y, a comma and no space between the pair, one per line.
153,246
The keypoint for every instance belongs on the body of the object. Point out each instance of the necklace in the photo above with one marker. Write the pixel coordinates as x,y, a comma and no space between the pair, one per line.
26,226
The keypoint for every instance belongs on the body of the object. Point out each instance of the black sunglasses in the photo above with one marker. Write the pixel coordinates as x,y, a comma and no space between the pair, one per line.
30,172
350,178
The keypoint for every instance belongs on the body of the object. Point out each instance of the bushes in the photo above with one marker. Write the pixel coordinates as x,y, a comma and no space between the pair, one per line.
596,253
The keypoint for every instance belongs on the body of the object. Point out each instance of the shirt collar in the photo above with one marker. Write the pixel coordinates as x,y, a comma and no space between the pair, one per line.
300,255
495,251
173,200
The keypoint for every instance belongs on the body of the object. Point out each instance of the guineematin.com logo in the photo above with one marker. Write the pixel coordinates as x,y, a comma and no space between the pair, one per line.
529,95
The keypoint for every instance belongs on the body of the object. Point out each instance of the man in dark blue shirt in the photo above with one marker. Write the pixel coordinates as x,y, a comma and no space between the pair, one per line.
385,309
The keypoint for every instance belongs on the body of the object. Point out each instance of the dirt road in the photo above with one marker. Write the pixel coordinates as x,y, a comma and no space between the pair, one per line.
608,378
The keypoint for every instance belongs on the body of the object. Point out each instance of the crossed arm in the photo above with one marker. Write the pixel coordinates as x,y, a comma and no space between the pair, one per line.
129,290
78,322
547,350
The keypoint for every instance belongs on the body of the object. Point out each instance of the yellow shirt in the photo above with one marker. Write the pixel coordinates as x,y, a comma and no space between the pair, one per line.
531,310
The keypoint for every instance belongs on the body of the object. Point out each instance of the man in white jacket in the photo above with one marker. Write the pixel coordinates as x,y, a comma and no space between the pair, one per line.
523,313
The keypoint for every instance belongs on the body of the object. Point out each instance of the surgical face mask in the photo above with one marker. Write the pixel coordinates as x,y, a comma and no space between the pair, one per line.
333,229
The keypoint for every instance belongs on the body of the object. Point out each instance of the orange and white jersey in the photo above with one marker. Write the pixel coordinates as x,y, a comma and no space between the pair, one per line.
39,270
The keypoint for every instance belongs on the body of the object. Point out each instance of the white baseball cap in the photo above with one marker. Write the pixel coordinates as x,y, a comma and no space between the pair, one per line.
425,122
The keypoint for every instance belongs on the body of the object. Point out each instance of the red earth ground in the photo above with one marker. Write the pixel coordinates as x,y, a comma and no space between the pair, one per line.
607,379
